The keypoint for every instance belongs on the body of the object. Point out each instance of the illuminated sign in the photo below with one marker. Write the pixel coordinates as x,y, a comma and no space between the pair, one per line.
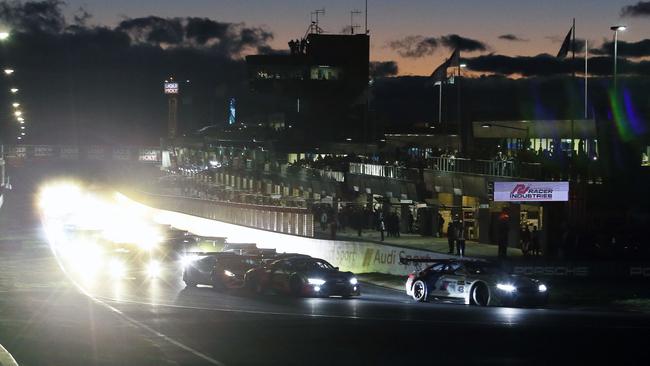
531,191
171,88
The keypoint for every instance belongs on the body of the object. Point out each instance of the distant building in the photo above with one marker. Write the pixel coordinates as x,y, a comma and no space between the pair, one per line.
324,78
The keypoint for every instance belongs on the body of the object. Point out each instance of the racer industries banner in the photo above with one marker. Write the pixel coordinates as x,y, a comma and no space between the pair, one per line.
531,191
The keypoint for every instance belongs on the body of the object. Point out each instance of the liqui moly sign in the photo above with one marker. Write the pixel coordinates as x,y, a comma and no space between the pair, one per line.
531,191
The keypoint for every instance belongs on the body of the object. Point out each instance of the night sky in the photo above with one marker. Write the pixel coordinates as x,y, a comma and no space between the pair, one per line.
539,25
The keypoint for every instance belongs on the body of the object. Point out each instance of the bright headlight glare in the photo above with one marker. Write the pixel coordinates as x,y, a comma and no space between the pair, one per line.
315,281
154,269
228,273
506,287
353,281
117,268
542,288
187,260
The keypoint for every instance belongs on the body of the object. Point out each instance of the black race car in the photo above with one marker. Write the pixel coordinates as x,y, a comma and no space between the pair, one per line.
302,276
222,270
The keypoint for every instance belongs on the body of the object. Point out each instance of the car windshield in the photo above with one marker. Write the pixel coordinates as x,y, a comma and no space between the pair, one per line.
313,264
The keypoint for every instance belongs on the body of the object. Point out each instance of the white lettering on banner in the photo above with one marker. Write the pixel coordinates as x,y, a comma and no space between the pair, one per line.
43,151
640,271
551,271
531,191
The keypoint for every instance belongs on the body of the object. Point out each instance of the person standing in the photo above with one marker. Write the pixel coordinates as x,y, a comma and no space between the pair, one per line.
534,241
441,224
451,233
410,219
382,226
460,238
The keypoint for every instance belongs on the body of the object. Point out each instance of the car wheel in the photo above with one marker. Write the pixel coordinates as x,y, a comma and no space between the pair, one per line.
295,285
480,295
420,291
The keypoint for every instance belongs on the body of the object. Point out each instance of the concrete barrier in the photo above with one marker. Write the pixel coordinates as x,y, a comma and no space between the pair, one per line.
358,257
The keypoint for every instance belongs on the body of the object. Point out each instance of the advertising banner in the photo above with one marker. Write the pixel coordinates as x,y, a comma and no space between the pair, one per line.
531,191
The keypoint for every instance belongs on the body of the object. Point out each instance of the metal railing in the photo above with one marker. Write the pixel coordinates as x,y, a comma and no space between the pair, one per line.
498,168
286,220
386,171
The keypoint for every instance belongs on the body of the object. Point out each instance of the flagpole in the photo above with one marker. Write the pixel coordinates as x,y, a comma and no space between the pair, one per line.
586,75
440,105
573,78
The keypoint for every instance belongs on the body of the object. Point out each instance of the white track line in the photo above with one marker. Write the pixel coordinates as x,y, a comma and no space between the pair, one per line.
133,321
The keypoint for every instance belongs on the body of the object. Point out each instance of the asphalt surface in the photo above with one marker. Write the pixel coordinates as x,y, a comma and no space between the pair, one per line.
49,318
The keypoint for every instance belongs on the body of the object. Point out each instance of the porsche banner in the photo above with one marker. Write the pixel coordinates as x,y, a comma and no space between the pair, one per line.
531,191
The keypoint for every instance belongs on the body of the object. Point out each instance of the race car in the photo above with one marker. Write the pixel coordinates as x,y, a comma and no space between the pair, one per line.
301,275
473,283
222,270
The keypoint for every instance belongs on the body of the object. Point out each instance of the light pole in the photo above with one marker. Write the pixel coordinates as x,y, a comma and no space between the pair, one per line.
439,83
616,29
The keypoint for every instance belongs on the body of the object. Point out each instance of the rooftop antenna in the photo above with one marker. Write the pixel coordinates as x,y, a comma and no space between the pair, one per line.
314,27
352,25
366,15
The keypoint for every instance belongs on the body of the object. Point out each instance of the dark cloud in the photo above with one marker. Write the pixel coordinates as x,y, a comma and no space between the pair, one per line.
383,68
454,41
414,46
547,65
420,46
625,49
640,9
33,16
512,37
104,84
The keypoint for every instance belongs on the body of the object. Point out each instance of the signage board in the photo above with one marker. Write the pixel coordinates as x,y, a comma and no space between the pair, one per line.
531,191
171,88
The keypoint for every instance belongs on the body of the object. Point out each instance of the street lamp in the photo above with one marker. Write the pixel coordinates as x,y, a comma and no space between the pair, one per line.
13,90
18,113
4,36
16,105
9,71
616,29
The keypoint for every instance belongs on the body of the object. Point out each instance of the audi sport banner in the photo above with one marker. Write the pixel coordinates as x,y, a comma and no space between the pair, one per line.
531,191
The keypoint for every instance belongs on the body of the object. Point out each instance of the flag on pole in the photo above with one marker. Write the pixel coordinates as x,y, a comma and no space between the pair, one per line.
566,45
440,73
454,60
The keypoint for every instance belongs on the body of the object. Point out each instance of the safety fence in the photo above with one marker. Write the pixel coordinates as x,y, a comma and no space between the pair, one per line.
286,220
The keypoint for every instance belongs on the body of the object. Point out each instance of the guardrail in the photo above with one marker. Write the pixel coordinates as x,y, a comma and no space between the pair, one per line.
286,220
149,154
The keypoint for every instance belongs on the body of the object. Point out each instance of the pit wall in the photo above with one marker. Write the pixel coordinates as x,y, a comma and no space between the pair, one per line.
358,257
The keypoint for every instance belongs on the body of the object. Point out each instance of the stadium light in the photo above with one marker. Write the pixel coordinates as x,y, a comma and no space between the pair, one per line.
9,71
616,29
4,36
16,105
13,90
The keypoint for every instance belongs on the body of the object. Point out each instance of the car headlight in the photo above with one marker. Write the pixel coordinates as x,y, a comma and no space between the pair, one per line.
542,288
154,269
353,281
315,281
228,273
506,287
